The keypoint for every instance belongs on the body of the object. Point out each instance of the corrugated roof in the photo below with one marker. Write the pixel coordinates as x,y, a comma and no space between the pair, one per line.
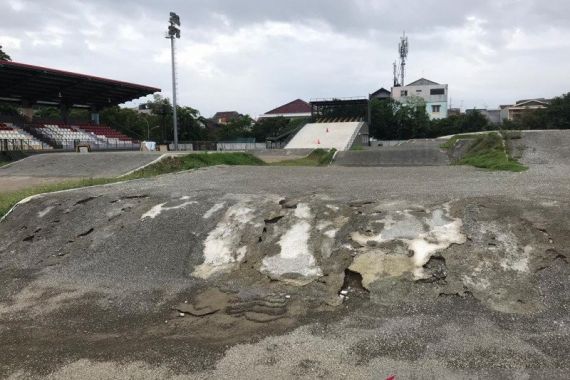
19,81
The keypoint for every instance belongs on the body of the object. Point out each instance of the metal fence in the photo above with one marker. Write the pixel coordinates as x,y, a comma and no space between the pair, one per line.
22,145
220,146
99,145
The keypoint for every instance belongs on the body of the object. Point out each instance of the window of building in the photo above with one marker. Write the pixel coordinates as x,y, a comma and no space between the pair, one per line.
437,91
436,108
418,91
404,93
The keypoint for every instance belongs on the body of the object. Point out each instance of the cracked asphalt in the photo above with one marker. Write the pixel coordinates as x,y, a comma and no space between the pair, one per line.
89,288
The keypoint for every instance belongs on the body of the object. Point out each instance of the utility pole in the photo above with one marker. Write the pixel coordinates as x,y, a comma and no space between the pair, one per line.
174,32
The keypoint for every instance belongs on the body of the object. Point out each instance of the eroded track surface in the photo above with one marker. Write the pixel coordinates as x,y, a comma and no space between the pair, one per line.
291,272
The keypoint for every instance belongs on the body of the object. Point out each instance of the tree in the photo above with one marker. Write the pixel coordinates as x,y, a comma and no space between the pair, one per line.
557,116
275,126
472,121
4,56
383,119
238,127
392,120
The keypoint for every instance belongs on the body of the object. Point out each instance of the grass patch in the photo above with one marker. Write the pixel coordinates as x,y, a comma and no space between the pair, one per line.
452,141
8,157
357,148
488,152
167,165
196,161
318,157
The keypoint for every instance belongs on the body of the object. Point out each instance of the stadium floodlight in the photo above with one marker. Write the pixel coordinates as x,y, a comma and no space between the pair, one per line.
174,19
174,32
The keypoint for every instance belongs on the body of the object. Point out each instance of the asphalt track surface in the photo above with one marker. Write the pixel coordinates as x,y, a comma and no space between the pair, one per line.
70,165
410,153
88,285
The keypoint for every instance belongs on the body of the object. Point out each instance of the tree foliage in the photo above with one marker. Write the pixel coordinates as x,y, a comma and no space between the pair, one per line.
275,126
4,56
395,121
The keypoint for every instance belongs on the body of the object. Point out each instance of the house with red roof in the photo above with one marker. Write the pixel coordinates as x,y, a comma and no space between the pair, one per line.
296,109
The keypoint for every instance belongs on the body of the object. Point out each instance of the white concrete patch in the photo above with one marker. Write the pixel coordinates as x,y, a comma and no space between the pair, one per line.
295,258
45,211
221,251
333,207
303,211
324,225
215,208
159,208
517,262
515,257
424,236
331,233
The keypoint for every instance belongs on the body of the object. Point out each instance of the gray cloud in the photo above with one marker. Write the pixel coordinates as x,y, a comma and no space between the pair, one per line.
252,55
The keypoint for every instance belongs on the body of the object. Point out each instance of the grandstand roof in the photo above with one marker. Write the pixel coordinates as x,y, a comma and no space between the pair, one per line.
20,83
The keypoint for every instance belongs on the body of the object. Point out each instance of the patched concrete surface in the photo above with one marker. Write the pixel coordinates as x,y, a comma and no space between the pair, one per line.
291,272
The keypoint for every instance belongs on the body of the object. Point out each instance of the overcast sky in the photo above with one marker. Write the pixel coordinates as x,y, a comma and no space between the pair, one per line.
254,55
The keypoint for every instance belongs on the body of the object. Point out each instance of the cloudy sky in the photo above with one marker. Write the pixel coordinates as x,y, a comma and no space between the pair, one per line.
253,55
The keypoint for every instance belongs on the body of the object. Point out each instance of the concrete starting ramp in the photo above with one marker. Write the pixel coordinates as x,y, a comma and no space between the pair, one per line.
339,136
409,153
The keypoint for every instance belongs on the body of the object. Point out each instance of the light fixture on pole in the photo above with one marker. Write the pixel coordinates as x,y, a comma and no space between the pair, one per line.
174,32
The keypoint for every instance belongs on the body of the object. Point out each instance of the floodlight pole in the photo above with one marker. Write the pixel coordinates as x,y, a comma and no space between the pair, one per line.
174,94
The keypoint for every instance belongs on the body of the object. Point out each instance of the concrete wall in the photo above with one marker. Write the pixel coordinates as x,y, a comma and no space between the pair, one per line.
229,146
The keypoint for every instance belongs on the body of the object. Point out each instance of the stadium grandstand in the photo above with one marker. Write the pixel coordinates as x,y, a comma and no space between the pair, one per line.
336,123
26,86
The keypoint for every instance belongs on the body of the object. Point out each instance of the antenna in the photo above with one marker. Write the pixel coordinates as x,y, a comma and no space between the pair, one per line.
403,48
396,81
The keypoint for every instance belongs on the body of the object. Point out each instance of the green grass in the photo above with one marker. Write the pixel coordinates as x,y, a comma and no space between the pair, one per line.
8,157
357,148
318,157
452,141
488,152
167,165
196,161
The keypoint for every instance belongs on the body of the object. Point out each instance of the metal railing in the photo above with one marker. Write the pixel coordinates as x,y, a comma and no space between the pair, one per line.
99,145
22,145
65,145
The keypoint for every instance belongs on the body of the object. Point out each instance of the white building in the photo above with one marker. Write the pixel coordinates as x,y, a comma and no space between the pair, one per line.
434,94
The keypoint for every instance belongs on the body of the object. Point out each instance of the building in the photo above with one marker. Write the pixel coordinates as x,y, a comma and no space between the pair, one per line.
454,112
144,108
494,116
520,108
434,94
381,94
225,117
296,109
